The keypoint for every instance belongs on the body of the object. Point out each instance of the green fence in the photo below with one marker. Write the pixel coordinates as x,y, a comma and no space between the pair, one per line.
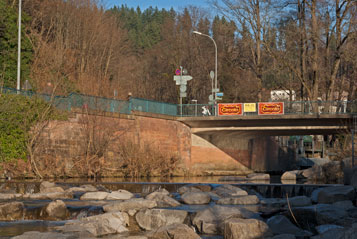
153,106
74,100
94,103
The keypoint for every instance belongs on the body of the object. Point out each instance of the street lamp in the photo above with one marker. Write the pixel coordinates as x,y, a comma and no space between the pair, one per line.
19,51
215,70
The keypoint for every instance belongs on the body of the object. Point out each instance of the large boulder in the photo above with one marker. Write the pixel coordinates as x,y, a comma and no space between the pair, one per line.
292,175
158,193
99,225
94,196
152,219
314,174
239,200
48,196
49,187
281,225
339,233
237,228
320,214
273,202
324,228
131,204
10,196
57,210
44,235
186,189
258,176
333,194
229,191
119,195
211,220
300,201
196,198
163,200
178,231
46,184
11,211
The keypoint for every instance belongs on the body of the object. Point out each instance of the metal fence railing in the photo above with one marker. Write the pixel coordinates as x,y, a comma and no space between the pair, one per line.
137,104
103,104
290,108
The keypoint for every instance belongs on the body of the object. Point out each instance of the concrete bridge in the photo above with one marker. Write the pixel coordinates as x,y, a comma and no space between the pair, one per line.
251,140
277,125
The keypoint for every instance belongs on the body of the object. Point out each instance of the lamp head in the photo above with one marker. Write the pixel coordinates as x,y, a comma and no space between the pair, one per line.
196,32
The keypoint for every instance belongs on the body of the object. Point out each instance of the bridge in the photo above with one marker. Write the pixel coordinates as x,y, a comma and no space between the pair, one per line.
278,125
213,143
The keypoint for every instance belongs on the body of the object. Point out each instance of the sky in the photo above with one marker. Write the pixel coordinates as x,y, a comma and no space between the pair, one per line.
167,4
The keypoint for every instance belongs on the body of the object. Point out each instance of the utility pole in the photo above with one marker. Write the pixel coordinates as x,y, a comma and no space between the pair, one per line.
18,87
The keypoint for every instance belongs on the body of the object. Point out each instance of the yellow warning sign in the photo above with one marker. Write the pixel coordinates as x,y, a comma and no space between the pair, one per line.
250,107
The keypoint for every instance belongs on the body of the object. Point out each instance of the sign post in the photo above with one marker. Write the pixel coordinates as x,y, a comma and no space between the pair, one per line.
181,80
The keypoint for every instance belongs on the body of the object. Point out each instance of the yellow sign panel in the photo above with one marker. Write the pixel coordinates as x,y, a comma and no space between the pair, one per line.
250,107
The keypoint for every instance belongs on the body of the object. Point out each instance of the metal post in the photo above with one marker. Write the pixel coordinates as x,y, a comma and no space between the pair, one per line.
181,69
353,148
354,128
18,87
195,106
215,70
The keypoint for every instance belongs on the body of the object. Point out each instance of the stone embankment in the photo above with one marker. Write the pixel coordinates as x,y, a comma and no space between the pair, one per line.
193,211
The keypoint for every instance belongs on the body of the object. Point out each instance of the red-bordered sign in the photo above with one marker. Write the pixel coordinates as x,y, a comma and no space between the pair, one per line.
271,108
230,109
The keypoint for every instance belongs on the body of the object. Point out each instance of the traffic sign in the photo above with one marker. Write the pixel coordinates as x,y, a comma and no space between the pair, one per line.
216,90
178,72
186,78
183,88
211,74
178,80
183,94
219,94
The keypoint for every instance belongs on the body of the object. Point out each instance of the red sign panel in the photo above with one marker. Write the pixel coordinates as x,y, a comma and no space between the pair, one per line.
271,108
230,109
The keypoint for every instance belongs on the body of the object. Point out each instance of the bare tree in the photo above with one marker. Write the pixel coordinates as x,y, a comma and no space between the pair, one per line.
256,15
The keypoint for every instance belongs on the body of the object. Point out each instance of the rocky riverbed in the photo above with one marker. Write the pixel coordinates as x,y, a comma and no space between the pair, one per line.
51,210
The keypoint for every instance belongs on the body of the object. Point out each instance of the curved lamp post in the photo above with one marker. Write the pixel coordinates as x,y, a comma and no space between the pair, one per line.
214,89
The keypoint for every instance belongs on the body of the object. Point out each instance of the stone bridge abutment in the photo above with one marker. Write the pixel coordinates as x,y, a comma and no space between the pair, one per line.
202,151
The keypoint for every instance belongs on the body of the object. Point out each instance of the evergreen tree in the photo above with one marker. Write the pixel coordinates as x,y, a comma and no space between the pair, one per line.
8,45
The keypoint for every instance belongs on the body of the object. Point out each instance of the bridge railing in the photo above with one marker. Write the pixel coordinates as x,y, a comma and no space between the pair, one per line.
150,106
74,100
290,108
94,103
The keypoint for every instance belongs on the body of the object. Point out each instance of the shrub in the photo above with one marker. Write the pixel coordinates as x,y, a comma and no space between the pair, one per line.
18,114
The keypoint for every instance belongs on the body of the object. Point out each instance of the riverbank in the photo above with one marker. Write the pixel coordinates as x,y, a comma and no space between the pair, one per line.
154,210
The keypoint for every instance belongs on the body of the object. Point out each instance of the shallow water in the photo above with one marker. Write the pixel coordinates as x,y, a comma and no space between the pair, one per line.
140,187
